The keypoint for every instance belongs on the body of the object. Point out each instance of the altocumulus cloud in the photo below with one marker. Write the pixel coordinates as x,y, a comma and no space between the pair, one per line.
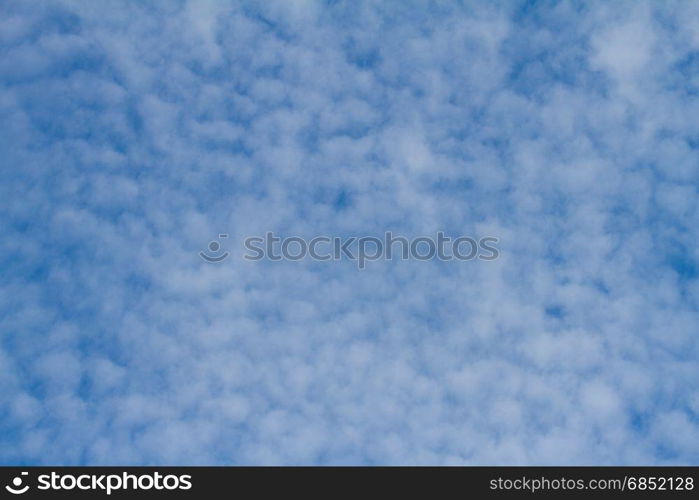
133,133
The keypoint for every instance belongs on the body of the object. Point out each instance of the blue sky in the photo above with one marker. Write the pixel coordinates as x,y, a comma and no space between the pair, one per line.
133,133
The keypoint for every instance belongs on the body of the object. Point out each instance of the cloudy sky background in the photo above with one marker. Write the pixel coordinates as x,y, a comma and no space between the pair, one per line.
133,133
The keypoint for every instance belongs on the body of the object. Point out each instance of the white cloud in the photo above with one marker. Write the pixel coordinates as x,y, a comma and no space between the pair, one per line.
136,134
